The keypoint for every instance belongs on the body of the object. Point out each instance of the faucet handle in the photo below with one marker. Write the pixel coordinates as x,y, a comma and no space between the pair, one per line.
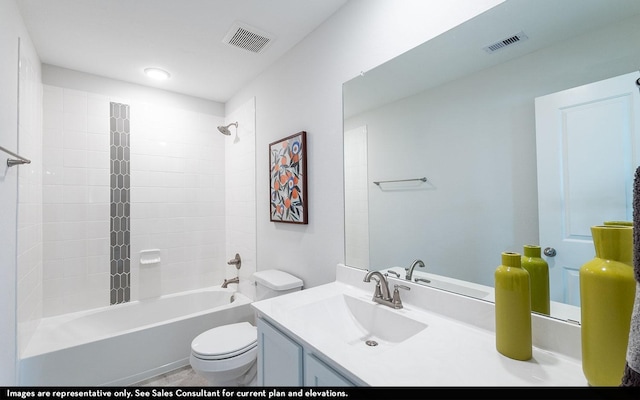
397,303
392,272
378,291
237,261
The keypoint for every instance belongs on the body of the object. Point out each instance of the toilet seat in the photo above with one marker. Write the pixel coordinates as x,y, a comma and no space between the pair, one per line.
225,341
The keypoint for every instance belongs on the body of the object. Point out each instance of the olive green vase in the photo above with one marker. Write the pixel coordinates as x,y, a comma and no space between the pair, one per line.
513,308
607,294
538,270
619,223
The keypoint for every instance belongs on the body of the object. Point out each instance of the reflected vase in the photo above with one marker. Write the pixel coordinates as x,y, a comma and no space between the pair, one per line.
607,294
538,270
513,308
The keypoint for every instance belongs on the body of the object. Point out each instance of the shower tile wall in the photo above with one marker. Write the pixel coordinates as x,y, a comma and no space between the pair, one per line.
75,200
177,190
120,232
241,193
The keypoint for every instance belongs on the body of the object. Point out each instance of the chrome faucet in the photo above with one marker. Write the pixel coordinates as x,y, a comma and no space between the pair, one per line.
228,281
382,294
418,263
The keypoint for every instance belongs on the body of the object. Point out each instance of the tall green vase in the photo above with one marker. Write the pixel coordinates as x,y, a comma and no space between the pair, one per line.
538,270
607,293
513,308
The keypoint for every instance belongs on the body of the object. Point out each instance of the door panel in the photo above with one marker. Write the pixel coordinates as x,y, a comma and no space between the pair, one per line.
587,149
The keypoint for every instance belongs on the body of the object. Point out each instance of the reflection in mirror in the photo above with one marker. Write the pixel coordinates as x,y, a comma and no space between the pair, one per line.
465,118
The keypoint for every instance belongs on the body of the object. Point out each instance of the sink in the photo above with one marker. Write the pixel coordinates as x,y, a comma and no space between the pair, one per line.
356,321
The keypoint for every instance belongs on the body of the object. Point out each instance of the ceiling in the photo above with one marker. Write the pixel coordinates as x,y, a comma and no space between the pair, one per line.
118,39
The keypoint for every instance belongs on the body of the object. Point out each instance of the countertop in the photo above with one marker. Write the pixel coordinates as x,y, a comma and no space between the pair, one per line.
449,352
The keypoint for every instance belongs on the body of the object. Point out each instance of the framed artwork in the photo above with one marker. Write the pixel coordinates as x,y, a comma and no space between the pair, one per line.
288,179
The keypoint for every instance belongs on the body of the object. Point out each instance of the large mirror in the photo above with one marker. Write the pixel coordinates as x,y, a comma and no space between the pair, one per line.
440,142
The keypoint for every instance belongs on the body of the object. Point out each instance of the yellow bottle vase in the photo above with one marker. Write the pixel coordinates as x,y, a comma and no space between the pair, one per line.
513,308
538,270
607,294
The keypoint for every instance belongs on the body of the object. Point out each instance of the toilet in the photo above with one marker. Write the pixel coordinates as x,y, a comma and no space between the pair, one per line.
227,355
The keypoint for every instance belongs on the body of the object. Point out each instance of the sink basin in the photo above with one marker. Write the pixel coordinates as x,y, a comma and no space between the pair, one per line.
356,321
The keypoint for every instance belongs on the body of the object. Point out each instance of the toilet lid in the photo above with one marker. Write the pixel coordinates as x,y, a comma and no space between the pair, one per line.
225,341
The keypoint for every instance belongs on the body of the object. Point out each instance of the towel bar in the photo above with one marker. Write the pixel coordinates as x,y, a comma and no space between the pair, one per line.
423,179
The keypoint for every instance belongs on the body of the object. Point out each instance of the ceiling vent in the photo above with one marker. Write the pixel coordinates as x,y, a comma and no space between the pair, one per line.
517,38
247,38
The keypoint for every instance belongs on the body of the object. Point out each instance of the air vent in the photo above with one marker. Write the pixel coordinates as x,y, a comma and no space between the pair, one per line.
247,38
517,38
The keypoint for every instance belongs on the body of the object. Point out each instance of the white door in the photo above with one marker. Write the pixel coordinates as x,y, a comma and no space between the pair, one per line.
587,153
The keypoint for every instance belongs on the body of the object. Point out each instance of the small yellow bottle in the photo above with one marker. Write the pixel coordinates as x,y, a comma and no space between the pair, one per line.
538,270
513,308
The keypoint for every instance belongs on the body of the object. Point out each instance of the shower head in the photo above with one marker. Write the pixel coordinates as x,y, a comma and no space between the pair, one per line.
225,129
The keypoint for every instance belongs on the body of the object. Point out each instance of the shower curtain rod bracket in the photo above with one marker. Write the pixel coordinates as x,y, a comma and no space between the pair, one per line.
11,162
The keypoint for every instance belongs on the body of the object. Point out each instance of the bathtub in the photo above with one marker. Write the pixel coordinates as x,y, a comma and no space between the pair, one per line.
126,343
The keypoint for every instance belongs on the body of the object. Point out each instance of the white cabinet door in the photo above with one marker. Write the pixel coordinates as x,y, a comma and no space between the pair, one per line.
279,358
587,153
317,373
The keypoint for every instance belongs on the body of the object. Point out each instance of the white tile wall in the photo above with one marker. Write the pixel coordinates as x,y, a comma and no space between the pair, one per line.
177,199
30,248
76,201
241,194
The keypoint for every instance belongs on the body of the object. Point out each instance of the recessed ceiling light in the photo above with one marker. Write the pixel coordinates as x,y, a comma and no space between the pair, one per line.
156,73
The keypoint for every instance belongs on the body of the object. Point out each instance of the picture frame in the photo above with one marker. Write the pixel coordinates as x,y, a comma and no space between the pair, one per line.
288,179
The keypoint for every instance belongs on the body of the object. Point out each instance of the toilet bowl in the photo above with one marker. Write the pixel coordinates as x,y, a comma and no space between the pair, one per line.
227,355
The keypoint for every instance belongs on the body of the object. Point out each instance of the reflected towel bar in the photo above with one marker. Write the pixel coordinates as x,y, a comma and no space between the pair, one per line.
11,162
423,179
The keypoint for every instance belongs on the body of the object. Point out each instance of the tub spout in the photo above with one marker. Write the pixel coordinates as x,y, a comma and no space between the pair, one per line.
228,281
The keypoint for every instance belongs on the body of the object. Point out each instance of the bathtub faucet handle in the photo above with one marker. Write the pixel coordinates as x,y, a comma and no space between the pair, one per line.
235,261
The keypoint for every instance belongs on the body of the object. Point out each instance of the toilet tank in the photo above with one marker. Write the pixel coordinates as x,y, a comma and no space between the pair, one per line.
273,282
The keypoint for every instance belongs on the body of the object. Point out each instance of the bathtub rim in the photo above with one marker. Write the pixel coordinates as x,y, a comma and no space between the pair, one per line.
52,322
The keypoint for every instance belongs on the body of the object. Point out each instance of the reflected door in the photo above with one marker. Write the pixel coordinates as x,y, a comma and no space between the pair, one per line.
587,154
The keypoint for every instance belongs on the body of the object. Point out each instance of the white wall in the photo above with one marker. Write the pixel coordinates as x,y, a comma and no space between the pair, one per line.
177,190
12,28
303,91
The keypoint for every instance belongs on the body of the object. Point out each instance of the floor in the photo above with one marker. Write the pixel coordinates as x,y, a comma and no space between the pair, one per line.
184,376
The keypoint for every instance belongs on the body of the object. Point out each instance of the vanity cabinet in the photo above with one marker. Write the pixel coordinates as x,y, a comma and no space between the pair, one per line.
279,357
317,373
284,362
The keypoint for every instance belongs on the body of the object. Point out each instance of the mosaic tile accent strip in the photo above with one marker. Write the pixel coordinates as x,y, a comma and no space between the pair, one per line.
120,204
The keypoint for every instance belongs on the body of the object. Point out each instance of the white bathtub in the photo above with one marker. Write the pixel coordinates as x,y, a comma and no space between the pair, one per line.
123,344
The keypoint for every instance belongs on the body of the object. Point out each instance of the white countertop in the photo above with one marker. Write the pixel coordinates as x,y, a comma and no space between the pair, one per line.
449,352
